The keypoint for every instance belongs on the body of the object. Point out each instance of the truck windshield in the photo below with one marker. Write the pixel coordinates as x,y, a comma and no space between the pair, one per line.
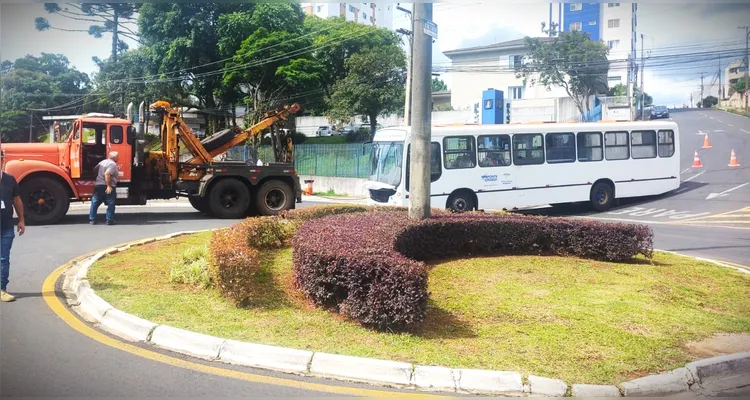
386,161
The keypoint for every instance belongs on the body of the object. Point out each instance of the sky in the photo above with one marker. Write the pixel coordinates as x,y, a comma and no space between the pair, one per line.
669,28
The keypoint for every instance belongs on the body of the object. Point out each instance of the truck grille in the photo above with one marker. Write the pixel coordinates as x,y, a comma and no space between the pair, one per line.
381,195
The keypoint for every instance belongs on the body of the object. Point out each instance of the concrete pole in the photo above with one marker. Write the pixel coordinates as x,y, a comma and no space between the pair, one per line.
747,64
419,194
643,68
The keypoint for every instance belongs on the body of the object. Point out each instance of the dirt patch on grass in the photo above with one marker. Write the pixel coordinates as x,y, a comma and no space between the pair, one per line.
578,320
719,344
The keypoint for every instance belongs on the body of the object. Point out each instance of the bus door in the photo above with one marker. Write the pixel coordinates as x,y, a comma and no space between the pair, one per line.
497,178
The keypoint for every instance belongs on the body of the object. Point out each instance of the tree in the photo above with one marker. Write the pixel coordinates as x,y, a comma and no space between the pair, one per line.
438,85
647,99
570,60
45,84
618,90
111,18
739,86
373,85
710,101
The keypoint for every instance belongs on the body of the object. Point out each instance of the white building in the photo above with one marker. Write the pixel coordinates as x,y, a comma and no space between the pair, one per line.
375,14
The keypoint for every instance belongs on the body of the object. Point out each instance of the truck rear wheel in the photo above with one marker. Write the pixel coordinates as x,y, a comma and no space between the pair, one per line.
229,199
45,201
199,203
274,197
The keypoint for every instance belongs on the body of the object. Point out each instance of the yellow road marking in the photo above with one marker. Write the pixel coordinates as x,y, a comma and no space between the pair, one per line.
716,222
713,216
57,306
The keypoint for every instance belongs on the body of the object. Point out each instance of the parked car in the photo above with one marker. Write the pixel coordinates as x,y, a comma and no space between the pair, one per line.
659,112
325,130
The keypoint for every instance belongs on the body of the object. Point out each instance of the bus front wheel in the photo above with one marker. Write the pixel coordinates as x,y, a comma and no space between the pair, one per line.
462,201
602,196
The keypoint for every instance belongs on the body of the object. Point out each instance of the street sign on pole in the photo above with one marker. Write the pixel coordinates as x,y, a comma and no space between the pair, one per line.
430,29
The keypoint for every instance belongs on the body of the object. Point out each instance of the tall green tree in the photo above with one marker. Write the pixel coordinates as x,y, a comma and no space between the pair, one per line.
373,85
45,85
438,85
115,18
570,60
739,86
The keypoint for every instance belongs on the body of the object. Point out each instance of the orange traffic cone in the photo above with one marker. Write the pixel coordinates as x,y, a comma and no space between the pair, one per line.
733,160
706,145
697,161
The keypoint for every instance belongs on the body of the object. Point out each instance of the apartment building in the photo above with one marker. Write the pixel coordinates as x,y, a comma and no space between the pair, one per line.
613,23
734,71
375,14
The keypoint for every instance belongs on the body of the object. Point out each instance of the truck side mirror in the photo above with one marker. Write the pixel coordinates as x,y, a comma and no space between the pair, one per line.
131,135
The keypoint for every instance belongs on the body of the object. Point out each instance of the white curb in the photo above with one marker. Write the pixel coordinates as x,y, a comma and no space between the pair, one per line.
186,342
361,369
595,391
547,387
263,356
676,381
126,326
437,378
479,380
722,373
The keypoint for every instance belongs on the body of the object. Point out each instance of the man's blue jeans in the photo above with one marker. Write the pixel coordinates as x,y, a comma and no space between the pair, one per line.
6,241
101,196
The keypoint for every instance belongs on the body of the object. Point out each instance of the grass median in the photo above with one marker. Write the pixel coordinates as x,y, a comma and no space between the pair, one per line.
578,320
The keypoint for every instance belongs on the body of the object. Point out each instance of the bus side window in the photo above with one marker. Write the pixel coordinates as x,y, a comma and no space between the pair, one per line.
666,144
643,144
494,150
561,148
590,146
528,149
436,168
616,146
459,152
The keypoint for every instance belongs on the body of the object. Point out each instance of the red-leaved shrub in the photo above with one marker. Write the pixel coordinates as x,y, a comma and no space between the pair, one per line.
233,264
368,265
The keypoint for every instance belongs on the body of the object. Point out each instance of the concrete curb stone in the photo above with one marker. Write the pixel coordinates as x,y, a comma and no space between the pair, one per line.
126,326
436,378
677,381
263,356
479,380
547,386
701,376
595,391
361,369
194,344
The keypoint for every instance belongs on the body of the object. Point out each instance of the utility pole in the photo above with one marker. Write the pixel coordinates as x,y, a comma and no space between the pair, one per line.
421,100
409,58
701,99
747,63
721,88
31,126
643,66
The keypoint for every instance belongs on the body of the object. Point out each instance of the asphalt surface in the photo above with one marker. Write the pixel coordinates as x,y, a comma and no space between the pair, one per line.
40,355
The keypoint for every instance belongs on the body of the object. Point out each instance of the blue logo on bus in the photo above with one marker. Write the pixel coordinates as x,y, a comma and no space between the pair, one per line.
489,178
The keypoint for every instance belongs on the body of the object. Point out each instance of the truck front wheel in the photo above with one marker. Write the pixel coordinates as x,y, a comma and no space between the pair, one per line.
45,201
229,199
274,197
199,203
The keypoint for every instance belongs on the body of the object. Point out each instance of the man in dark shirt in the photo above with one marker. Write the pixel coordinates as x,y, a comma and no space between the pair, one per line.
9,199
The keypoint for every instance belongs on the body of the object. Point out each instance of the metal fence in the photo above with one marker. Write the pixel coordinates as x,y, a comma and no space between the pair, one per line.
350,160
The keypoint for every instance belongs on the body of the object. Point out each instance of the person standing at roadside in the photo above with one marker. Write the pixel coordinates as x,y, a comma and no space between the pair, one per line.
9,199
104,188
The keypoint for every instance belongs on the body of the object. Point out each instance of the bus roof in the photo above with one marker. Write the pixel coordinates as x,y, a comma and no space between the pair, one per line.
400,133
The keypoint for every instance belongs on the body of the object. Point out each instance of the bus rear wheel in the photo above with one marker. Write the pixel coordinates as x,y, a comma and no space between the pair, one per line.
602,196
462,201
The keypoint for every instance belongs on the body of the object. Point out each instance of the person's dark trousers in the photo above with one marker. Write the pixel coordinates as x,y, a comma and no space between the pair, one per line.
6,241
101,196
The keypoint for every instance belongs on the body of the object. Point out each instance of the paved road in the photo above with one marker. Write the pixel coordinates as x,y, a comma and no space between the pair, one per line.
40,355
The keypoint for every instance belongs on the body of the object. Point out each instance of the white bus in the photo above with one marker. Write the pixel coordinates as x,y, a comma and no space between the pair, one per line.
520,166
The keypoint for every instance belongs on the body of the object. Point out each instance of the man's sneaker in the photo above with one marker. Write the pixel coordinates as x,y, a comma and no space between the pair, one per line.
6,297
111,222
92,222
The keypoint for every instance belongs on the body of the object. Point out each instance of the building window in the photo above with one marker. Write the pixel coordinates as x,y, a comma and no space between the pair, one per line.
515,92
613,44
666,144
610,5
515,61
643,144
590,146
351,8
616,146
320,8
494,150
576,6
617,78
459,153
528,149
561,148
575,26
364,15
613,23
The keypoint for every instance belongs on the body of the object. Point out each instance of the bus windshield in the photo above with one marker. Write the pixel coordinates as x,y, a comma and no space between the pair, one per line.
386,161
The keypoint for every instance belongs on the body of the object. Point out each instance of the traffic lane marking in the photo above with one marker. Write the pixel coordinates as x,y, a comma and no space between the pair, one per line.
726,192
738,213
690,179
665,213
56,305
